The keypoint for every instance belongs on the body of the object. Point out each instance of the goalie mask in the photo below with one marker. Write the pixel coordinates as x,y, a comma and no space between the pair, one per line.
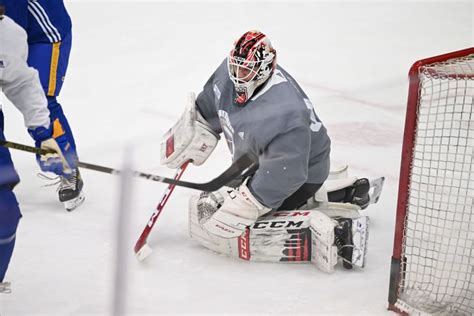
250,63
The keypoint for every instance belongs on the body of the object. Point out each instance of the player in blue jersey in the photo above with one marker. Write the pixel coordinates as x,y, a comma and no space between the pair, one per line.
21,86
49,31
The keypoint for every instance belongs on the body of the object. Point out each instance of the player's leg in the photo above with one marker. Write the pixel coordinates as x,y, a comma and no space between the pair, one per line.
8,175
51,61
9,210
300,197
9,217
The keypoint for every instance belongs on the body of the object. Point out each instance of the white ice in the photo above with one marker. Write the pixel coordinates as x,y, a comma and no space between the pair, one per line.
130,68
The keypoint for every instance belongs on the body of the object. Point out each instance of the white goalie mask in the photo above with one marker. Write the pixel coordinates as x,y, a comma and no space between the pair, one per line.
250,63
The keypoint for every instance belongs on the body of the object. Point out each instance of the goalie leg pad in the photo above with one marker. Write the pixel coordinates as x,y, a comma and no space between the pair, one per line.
282,236
227,225
238,210
196,232
360,237
351,236
324,253
286,236
340,210
358,192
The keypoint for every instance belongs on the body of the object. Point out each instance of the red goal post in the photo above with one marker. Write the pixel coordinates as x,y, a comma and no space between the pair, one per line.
432,270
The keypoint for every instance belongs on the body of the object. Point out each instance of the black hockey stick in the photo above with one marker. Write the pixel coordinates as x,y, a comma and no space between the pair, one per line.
238,168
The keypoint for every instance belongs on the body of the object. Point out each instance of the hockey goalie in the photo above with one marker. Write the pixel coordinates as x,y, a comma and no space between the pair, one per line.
285,209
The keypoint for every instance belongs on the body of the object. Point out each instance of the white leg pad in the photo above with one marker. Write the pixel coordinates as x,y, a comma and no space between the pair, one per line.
196,231
284,236
335,209
227,225
337,184
360,237
338,172
324,253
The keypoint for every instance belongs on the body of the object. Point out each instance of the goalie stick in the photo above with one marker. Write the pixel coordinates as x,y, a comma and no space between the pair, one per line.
238,167
142,250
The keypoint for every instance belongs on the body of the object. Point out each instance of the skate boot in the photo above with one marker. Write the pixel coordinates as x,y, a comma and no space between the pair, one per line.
70,191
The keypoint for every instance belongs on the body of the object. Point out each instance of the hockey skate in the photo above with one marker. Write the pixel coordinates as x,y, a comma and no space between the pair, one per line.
350,237
5,287
70,191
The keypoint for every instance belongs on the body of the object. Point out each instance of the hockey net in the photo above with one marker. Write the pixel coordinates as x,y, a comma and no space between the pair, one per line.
433,257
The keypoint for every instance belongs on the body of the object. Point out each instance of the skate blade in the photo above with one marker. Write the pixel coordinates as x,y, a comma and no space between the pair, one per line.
144,252
71,205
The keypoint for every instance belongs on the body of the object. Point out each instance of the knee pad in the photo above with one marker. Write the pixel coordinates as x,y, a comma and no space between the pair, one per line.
9,212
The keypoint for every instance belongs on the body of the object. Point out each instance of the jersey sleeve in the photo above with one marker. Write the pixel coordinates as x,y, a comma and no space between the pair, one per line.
283,167
20,83
206,104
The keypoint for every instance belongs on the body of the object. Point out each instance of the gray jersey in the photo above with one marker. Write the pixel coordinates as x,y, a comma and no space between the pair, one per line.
278,124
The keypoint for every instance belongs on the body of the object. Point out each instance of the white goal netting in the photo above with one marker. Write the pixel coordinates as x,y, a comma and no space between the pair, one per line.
437,266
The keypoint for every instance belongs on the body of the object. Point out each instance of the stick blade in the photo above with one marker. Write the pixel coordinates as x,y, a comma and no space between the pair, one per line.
143,252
